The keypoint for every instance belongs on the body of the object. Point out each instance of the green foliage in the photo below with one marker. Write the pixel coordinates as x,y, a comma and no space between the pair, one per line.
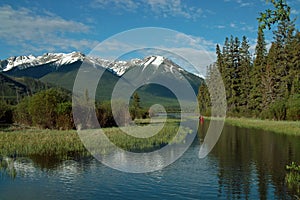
136,110
267,87
21,112
104,115
234,64
43,107
278,110
204,100
292,178
5,112
293,108
7,167
270,17
47,109
64,116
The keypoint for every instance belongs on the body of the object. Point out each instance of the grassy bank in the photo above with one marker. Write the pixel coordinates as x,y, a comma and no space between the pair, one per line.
24,142
281,127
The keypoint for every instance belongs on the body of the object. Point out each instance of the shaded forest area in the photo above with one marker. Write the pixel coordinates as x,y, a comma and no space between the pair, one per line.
268,85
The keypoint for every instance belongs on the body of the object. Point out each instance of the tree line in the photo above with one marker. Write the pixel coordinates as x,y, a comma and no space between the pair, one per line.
268,85
52,109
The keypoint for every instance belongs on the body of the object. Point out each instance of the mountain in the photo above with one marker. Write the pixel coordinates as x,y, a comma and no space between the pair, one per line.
50,62
61,69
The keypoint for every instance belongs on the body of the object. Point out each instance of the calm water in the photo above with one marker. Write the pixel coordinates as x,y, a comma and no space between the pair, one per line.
245,164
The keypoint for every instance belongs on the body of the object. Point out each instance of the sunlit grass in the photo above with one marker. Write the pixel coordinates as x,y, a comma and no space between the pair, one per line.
282,127
39,142
30,141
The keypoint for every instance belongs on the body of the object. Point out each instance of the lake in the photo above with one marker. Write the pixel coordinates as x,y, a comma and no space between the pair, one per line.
245,164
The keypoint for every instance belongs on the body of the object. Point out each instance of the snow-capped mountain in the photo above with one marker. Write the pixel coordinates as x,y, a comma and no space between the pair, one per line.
57,60
61,69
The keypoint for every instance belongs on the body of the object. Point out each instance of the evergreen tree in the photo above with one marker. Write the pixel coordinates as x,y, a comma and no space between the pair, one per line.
136,108
244,74
269,78
220,61
255,99
294,61
226,69
204,100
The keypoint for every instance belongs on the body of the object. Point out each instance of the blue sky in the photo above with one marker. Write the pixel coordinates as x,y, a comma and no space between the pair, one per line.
37,27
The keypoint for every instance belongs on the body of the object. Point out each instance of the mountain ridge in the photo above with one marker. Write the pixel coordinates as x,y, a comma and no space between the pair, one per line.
57,60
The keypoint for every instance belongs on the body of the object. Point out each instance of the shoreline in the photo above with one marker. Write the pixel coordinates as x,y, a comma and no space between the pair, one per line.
278,127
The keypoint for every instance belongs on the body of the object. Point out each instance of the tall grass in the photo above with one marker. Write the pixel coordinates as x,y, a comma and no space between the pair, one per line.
26,142
40,142
281,127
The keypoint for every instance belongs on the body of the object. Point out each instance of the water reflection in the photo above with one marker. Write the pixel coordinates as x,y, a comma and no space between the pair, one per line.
247,156
245,164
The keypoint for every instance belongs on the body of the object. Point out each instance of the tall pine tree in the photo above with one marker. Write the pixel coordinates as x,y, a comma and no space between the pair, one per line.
255,99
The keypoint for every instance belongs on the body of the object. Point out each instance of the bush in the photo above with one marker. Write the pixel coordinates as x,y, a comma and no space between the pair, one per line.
278,110
5,112
104,115
64,119
293,108
43,107
21,114
47,109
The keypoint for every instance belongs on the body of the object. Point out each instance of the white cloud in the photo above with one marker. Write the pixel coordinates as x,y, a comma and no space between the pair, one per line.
295,12
128,5
232,25
221,26
200,59
241,3
23,27
192,41
161,8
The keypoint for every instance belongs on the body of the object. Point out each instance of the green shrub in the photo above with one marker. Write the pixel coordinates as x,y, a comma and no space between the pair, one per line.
293,107
278,110
5,112
21,114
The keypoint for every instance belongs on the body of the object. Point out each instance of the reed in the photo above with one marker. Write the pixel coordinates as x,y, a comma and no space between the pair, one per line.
26,142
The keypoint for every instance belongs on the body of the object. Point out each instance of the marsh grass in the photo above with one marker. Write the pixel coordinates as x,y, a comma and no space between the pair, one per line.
30,141
280,127
167,135
40,142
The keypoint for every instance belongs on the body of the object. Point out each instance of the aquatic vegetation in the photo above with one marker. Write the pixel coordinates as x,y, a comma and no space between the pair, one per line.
26,142
292,178
7,167
43,142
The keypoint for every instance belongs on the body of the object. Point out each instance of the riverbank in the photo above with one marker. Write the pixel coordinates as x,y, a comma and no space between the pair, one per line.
26,141
280,127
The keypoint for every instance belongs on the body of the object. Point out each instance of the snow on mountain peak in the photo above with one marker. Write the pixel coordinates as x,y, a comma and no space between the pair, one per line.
154,60
57,59
119,67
